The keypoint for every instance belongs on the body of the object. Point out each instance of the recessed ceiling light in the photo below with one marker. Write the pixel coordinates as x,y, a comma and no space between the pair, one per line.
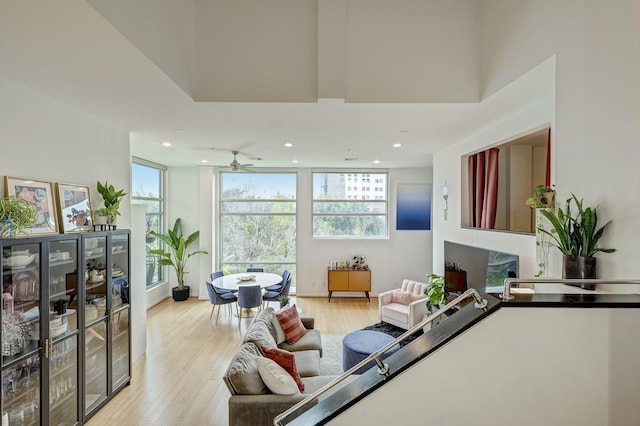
167,144
204,161
294,161
397,145
376,161
288,144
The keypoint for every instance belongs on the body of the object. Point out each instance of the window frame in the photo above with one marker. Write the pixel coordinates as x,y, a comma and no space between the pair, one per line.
355,178
161,215
221,215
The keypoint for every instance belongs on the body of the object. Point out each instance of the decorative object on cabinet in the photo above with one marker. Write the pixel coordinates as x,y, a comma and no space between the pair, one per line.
111,199
40,194
349,280
576,236
16,215
74,205
177,256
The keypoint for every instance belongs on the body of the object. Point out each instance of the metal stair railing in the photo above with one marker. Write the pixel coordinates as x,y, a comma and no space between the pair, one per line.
383,368
506,293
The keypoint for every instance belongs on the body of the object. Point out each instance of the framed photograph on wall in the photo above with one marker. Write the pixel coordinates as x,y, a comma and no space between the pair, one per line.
74,206
40,193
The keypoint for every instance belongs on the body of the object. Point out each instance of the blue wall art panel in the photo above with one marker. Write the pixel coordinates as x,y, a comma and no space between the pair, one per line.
413,210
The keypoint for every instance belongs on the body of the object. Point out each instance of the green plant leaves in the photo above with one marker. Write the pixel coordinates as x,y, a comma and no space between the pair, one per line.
575,235
175,252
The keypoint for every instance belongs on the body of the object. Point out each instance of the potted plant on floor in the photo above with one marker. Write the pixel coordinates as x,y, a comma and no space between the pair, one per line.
16,215
576,235
437,295
284,301
111,198
176,254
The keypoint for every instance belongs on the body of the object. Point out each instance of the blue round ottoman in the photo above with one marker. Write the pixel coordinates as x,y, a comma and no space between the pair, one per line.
358,345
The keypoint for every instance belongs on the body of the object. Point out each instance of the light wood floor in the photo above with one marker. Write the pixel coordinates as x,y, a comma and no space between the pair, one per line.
179,380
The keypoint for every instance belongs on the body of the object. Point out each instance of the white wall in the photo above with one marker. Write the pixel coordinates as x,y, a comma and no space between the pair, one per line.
532,107
596,141
504,369
44,139
405,254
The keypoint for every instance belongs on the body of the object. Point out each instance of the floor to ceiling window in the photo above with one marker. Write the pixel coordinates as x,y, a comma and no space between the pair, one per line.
147,188
350,205
258,222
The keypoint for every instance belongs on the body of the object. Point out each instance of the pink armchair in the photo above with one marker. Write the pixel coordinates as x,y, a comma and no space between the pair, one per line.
404,307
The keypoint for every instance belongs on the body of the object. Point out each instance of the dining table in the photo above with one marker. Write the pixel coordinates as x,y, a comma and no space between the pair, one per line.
234,281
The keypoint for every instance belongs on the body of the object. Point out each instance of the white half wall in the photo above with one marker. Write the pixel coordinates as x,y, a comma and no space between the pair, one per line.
533,366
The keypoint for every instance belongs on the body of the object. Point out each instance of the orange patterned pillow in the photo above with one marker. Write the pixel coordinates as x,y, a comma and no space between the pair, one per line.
291,324
286,360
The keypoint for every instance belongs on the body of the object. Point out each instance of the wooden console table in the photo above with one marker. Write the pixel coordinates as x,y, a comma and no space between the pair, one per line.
349,280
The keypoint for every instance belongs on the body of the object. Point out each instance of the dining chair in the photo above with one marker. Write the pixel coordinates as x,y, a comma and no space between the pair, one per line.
249,296
218,274
218,297
255,269
272,296
286,274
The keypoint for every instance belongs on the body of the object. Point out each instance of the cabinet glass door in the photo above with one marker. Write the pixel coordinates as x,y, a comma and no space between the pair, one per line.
120,307
63,332
21,334
63,382
95,319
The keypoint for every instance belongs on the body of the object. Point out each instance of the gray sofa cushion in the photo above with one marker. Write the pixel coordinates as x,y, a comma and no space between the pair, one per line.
242,376
312,340
307,363
258,333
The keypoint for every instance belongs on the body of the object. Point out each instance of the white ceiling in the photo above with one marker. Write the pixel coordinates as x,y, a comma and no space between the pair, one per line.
69,51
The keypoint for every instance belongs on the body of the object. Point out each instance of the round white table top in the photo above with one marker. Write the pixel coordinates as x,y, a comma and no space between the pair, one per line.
233,282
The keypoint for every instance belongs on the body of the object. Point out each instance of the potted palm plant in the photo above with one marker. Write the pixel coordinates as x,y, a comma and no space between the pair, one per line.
176,254
111,198
576,235
16,215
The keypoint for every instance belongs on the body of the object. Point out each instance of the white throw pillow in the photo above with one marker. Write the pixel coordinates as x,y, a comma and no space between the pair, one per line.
276,378
280,336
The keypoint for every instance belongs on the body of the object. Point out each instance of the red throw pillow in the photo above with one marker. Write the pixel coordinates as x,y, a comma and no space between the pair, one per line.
291,324
286,360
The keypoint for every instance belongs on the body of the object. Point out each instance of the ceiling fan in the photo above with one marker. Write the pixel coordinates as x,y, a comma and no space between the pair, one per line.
235,165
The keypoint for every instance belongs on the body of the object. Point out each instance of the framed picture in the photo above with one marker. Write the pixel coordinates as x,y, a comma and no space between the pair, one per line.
413,209
40,193
74,206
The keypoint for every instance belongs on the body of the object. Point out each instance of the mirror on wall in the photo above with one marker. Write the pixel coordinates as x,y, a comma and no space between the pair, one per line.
496,183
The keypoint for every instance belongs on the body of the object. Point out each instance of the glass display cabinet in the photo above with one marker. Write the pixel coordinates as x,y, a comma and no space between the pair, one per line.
65,326
39,331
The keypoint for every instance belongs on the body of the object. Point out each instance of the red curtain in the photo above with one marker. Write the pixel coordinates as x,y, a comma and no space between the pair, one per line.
483,188
547,180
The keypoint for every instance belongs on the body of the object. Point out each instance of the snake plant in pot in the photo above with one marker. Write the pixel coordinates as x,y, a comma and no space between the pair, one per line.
176,254
576,235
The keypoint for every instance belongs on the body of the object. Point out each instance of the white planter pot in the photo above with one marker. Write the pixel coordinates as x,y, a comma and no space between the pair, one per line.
101,220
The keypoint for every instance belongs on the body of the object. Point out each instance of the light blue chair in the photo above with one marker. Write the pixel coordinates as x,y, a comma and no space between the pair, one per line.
218,297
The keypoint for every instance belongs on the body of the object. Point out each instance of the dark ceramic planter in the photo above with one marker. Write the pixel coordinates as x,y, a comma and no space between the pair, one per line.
578,267
180,295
